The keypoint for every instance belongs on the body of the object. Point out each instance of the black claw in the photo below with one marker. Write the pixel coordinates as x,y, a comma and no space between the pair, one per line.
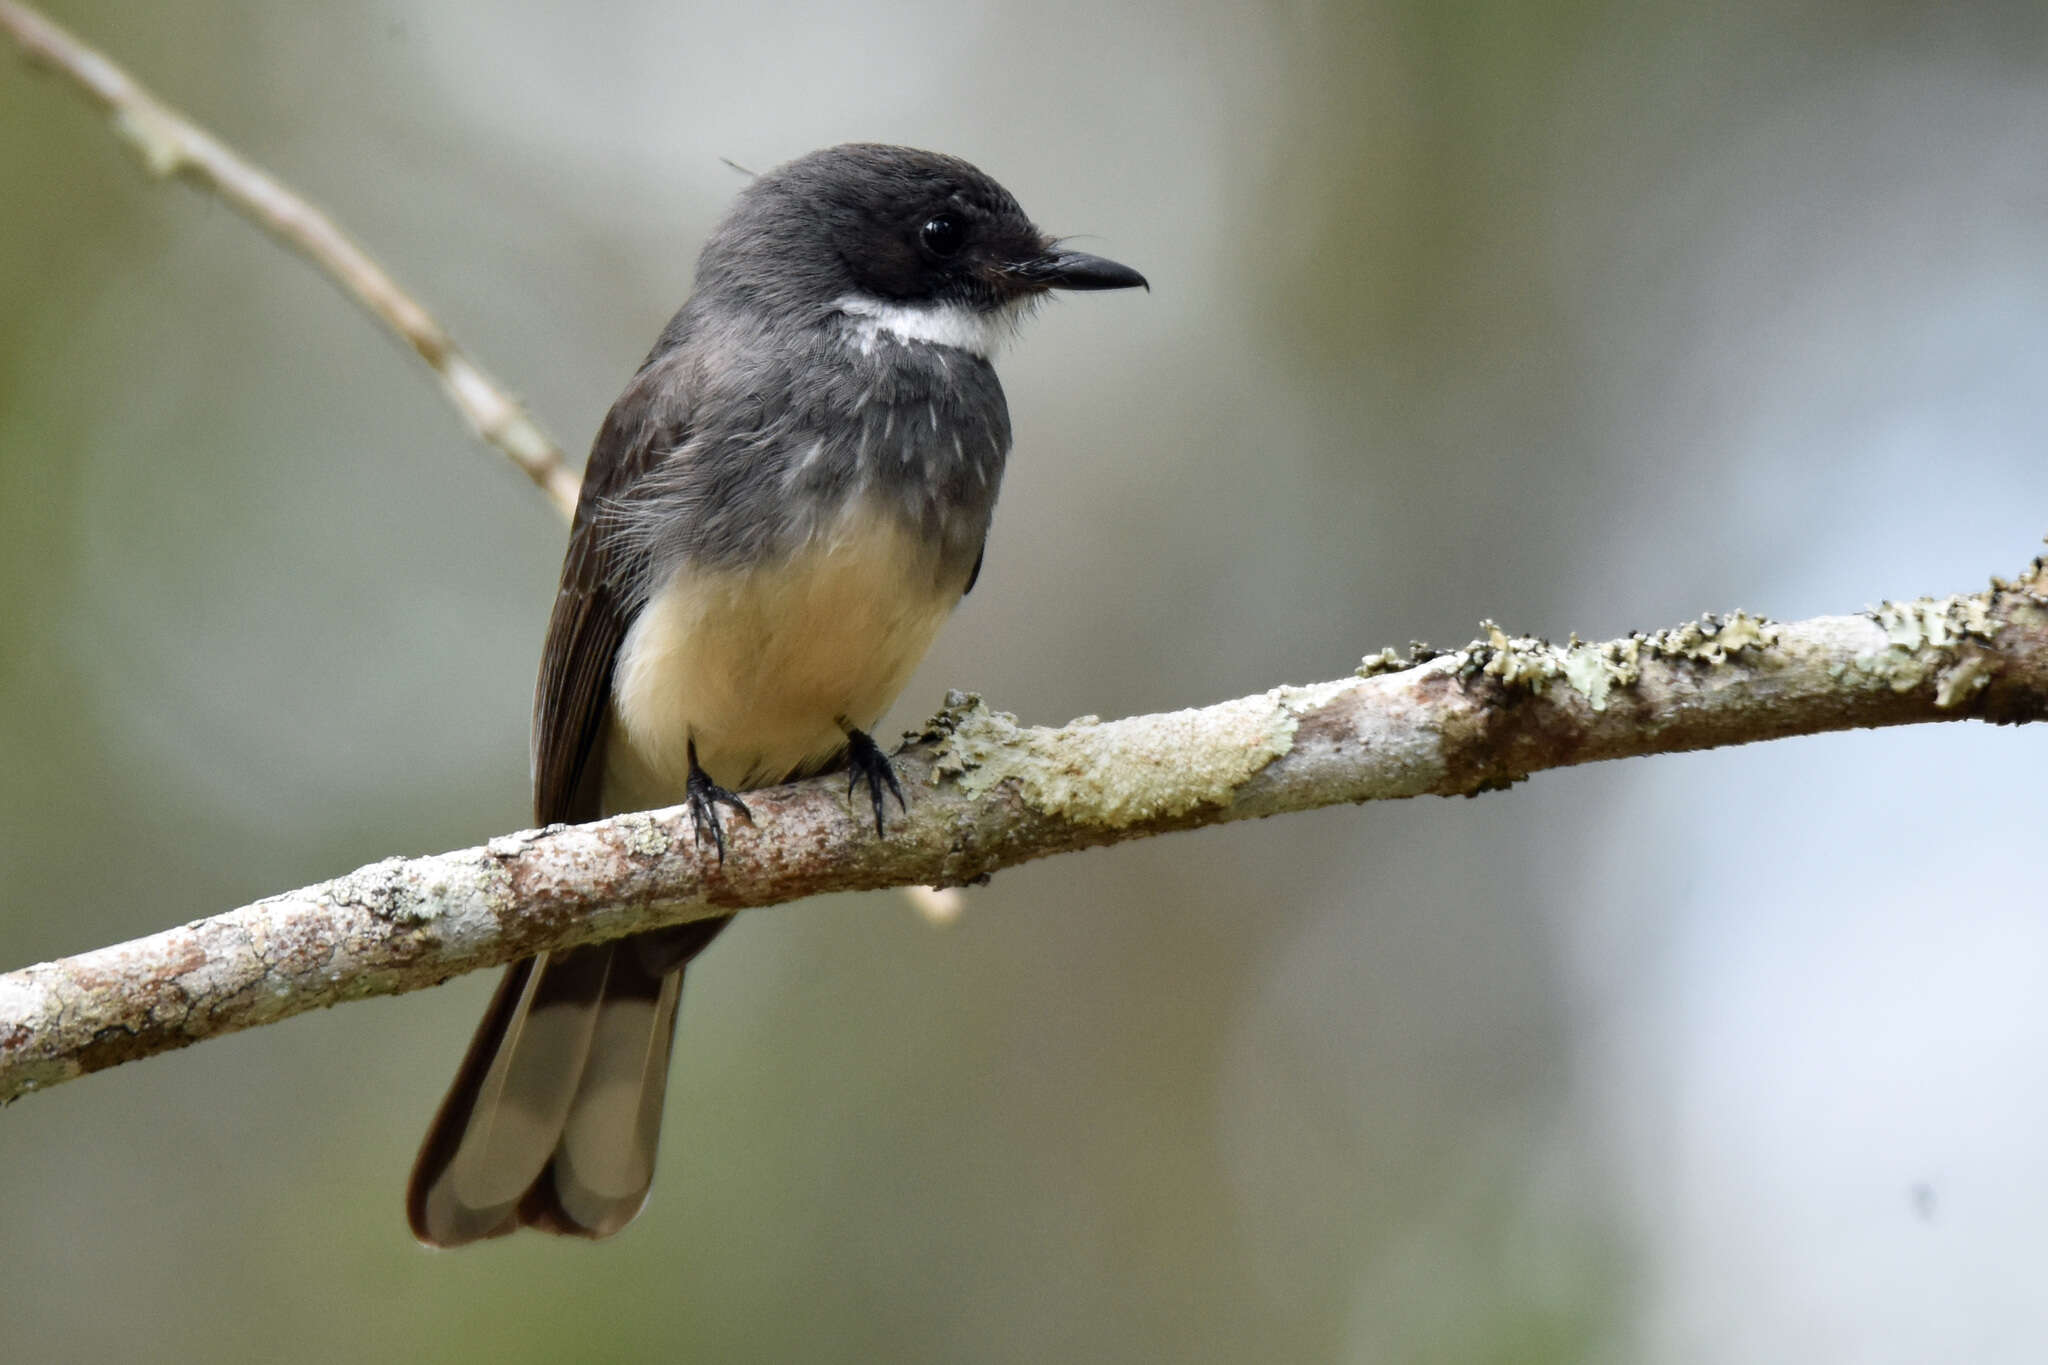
705,797
865,761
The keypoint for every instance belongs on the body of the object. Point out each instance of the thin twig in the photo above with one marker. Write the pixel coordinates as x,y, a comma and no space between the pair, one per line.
988,794
171,145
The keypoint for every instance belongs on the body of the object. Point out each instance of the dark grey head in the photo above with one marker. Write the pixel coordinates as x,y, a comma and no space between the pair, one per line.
890,232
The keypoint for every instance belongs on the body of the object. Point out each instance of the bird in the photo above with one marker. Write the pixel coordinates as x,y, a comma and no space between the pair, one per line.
788,498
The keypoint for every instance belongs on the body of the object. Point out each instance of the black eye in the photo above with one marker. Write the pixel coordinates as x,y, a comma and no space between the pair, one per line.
943,235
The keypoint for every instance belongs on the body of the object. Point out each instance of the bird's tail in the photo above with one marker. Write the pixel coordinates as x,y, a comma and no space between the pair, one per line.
553,1120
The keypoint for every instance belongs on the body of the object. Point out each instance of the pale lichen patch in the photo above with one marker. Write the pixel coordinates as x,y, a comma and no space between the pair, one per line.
1968,676
1520,661
1714,639
1925,640
1938,622
1596,671
388,889
1592,673
1388,660
1391,660
641,835
1118,773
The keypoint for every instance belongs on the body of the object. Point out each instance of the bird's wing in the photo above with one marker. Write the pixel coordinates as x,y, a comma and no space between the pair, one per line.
593,606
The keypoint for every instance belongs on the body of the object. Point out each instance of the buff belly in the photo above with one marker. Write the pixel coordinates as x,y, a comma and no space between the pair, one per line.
765,669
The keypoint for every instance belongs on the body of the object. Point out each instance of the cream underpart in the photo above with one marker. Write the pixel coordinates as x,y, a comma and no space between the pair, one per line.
766,667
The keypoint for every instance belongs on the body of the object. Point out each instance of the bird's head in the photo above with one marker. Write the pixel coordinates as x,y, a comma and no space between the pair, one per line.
922,245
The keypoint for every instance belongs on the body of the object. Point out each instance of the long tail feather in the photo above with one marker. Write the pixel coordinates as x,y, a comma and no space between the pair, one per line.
554,1118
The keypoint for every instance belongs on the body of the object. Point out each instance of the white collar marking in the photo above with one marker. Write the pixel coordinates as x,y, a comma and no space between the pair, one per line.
938,324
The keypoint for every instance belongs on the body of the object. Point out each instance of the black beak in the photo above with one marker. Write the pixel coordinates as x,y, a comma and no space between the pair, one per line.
1057,268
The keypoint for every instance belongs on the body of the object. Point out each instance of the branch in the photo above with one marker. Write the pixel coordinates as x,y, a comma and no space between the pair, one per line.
170,144
989,794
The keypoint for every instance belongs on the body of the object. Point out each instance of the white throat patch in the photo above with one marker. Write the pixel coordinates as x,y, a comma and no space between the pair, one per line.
936,324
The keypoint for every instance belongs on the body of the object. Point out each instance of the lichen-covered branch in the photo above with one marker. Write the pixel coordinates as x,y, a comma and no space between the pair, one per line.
987,793
169,144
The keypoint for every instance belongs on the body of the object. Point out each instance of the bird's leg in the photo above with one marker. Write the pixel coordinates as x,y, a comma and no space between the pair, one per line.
705,796
865,762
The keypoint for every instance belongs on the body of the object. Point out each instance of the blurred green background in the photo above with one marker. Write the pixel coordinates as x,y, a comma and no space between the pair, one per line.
1578,316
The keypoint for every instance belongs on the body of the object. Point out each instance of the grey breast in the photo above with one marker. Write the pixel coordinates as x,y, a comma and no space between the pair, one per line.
787,424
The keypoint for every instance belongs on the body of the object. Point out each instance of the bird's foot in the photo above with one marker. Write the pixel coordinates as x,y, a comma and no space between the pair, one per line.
865,762
705,797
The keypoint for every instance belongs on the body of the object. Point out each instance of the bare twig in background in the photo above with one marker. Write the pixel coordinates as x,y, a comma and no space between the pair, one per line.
170,144
988,794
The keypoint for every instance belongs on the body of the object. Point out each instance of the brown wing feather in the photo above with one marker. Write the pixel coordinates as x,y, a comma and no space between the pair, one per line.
590,616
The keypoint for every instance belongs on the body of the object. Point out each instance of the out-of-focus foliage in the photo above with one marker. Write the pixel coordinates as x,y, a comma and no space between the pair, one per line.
1576,316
